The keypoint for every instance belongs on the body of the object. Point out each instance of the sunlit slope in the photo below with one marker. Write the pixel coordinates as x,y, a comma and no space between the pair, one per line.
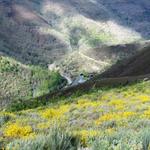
104,113
99,59
18,81
41,32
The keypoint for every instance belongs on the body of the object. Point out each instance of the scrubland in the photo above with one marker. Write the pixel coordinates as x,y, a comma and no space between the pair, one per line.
109,118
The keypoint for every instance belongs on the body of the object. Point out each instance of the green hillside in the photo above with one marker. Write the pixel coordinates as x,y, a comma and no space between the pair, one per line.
108,118
18,81
74,75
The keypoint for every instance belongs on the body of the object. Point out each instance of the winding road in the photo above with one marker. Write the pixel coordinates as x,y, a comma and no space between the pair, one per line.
69,80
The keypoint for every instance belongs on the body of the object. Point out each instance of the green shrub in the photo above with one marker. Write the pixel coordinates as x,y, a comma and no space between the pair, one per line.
4,119
18,105
145,135
100,144
45,81
7,66
123,140
18,81
55,140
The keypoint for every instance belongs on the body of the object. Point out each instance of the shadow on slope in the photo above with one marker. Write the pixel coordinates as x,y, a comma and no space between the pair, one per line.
132,70
129,13
26,36
133,66
22,21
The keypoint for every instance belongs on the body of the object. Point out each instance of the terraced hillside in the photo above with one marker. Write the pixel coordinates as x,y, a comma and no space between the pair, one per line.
102,119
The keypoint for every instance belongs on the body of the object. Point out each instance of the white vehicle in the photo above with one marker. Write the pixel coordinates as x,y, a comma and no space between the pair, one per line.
80,79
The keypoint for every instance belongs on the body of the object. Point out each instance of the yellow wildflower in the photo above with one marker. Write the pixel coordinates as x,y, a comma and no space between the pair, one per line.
16,130
83,103
110,131
116,102
144,98
44,125
114,116
55,113
7,114
86,134
146,114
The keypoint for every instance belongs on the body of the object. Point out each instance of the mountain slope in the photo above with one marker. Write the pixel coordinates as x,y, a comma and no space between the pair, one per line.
134,66
77,36
98,60
18,81
102,115
41,32
107,111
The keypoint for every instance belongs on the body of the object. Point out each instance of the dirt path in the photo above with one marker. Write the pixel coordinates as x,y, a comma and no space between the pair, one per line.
69,80
96,61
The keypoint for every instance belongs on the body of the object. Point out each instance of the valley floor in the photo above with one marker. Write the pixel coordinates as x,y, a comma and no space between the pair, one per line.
103,119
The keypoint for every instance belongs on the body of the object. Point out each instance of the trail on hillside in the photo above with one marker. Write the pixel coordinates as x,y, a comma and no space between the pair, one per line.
69,80
91,59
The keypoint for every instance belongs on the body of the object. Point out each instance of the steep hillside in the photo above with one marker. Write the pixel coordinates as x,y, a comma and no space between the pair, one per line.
106,118
98,60
74,36
18,81
43,31
133,66
110,111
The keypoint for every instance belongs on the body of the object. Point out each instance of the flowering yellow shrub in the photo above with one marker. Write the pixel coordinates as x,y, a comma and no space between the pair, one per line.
83,103
116,102
51,113
109,131
106,96
55,113
114,116
144,98
146,114
44,125
119,108
86,134
16,130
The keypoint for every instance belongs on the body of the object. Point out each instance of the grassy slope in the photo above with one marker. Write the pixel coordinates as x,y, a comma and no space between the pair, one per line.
119,114
18,81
